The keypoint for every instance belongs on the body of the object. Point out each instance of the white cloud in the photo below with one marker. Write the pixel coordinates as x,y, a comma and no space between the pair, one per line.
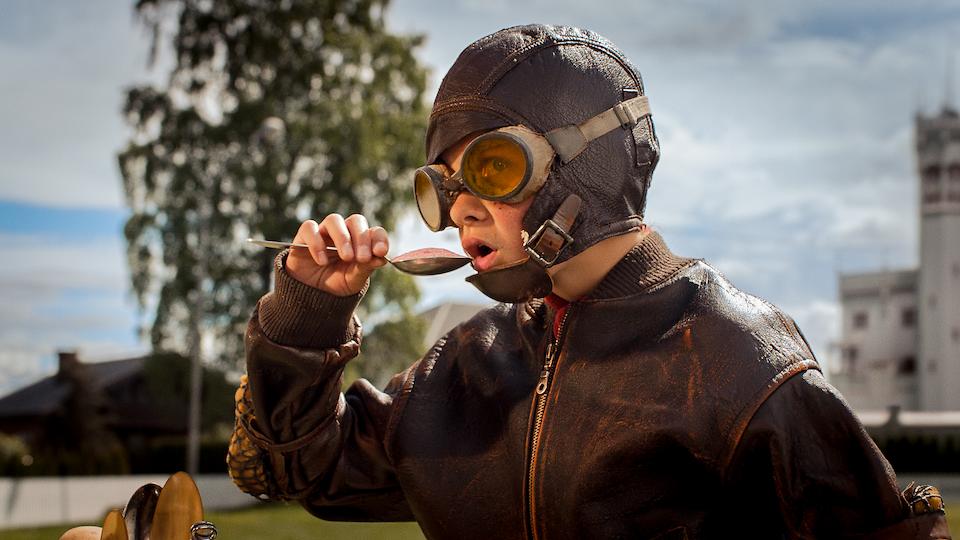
64,69
46,264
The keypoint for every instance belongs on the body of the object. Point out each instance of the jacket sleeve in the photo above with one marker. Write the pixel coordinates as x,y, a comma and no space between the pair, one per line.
296,436
806,465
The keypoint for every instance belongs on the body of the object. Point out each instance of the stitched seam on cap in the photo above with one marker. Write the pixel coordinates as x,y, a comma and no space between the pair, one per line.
475,102
518,56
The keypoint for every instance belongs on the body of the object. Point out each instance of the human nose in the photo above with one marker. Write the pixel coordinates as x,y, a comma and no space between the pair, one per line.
467,208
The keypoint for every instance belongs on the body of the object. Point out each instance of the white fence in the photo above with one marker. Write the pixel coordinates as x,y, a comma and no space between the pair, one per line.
29,502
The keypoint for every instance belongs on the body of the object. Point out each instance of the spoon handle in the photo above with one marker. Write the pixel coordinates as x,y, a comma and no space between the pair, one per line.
283,245
278,245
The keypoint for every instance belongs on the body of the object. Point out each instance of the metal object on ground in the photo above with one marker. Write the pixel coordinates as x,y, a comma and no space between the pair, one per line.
138,514
203,530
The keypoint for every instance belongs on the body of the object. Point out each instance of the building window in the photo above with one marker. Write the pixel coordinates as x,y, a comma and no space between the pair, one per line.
954,174
907,366
850,354
953,171
860,319
931,185
955,334
932,197
908,317
956,270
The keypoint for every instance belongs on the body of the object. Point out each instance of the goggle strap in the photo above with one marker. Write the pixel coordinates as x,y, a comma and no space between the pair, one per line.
546,245
569,141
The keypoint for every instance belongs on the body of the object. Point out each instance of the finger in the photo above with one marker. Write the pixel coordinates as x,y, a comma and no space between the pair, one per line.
335,228
380,241
309,234
360,234
380,245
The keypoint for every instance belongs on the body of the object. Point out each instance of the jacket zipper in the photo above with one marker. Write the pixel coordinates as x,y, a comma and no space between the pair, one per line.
540,405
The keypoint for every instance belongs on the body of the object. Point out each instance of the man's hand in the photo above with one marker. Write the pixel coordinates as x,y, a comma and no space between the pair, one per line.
361,250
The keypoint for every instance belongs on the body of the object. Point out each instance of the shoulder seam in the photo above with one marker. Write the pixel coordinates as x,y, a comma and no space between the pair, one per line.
798,366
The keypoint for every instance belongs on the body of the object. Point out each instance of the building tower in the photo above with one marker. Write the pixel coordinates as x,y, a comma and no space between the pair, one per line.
938,295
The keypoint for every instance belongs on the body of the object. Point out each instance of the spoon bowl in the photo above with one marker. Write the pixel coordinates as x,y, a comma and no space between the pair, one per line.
419,262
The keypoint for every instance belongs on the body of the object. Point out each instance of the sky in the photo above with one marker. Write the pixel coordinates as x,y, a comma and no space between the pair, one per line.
786,135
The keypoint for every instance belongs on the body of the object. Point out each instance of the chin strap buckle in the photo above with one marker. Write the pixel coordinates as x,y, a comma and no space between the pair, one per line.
551,238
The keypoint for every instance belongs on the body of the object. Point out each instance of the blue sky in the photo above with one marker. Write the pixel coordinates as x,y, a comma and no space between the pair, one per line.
786,131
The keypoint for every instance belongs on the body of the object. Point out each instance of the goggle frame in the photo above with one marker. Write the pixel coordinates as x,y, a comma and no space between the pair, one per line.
538,156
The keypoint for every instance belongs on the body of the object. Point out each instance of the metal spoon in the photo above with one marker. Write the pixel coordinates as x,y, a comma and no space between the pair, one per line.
138,514
419,262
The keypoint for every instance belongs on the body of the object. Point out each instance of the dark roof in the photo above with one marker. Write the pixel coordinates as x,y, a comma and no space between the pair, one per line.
46,395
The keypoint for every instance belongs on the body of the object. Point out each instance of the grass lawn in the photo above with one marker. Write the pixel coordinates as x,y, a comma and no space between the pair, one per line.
290,522
273,521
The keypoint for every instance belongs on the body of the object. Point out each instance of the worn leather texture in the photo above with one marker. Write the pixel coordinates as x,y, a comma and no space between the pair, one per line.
546,77
680,407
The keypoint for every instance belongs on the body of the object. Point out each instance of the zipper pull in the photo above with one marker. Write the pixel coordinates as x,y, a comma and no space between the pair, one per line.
542,385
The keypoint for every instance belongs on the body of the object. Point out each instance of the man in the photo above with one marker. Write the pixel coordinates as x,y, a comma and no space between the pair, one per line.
644,397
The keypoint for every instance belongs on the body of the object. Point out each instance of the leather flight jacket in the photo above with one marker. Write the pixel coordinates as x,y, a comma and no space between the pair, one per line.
669,404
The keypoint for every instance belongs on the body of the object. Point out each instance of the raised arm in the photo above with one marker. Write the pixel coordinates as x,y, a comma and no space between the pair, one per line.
297,437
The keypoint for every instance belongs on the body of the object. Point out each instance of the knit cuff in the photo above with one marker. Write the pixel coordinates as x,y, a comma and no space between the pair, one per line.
298,315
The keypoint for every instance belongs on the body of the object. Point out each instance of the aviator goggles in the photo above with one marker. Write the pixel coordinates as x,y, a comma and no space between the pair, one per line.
510,164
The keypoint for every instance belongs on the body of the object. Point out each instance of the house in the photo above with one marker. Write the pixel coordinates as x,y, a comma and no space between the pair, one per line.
123,401
136,407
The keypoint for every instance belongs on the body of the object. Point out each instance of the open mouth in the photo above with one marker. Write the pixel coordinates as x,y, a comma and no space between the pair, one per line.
483,255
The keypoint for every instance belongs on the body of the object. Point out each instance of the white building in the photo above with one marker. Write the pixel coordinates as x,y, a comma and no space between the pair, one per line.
900,341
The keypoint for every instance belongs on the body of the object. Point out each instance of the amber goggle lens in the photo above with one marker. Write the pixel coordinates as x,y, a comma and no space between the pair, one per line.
428,200
494,167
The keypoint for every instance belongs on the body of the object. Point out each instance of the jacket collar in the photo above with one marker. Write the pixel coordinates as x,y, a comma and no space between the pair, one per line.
647,266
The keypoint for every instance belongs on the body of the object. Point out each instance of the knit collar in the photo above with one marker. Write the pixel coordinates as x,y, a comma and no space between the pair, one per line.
648,264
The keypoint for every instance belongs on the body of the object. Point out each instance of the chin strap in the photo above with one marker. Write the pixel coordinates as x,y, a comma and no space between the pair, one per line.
552,236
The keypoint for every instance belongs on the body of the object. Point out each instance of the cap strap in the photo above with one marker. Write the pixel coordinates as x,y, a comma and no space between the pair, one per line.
569,141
